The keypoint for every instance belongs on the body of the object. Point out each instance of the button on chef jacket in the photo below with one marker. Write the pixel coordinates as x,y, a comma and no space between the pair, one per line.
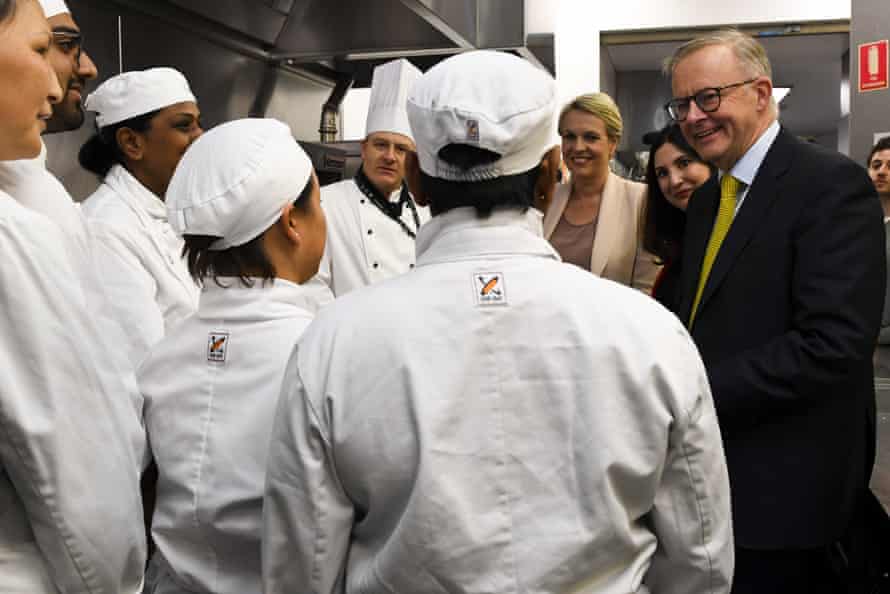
496,421
210,389
70,441
364,246
146,279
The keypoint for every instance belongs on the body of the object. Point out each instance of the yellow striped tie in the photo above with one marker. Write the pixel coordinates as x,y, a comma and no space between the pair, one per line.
729,189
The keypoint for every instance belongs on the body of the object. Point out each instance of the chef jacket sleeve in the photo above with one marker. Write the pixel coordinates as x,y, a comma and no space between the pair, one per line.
63,436
130,292
691,516
307,517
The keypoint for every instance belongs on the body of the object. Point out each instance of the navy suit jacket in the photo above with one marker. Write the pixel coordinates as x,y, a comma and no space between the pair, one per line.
786,327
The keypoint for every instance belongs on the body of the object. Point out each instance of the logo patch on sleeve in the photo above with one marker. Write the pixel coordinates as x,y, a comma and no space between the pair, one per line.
217,346
489,288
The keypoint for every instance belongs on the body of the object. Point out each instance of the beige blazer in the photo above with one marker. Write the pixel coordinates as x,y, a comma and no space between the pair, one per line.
617,247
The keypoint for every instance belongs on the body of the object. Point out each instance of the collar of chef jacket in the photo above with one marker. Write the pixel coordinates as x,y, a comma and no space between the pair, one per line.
272,300
461,234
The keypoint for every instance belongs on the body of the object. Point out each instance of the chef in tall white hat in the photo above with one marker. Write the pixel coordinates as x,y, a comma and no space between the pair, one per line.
246,200
494,420
372,219
145,120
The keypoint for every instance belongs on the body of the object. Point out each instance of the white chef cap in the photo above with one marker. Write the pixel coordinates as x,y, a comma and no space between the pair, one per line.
389,91
136,93
53,7
234,180
488,99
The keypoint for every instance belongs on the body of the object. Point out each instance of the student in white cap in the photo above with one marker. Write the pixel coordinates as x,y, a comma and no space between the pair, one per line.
145,120
495,420
246,200
372,219
69,501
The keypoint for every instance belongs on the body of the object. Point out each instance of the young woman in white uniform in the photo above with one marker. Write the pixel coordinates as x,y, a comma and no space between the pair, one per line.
146,120
70,516
247,202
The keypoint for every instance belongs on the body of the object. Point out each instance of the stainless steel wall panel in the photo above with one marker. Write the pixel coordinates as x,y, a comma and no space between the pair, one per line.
500,24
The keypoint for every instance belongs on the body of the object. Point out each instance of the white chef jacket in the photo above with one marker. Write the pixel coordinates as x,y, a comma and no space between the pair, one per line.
364,246
208,416
496,421
146,279
34,187
70,510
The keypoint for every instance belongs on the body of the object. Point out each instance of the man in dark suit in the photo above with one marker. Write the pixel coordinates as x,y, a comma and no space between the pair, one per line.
782,288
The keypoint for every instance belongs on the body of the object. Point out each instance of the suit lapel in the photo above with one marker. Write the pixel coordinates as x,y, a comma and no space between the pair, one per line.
608,227
699,220
760,197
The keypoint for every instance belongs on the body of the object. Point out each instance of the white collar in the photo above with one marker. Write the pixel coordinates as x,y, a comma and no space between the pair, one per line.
461,234
139,197
272,300
745,170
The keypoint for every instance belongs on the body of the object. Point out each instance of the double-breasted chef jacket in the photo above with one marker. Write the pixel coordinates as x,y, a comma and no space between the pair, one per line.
364,246
208,428
140,256
496,421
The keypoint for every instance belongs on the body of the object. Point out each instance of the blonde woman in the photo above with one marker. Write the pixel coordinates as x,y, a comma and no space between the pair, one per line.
595,221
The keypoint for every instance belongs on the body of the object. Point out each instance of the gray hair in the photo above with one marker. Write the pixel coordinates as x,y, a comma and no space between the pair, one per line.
747,50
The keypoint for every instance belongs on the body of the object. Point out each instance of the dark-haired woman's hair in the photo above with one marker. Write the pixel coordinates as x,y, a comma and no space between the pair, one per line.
247,262
664,225
7,10
101,151
517,191
881,145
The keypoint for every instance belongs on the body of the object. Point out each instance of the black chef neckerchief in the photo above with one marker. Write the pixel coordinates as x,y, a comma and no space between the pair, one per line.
393,210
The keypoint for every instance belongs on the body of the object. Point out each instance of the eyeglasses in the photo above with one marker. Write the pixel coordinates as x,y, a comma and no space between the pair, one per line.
708,100
68,42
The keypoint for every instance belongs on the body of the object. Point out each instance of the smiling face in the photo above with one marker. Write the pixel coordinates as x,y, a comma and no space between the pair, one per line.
586,147
879,172
678,174
383,160
74,68
723,136
31,86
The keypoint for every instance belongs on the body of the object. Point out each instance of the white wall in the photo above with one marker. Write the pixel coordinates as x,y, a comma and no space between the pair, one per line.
578,25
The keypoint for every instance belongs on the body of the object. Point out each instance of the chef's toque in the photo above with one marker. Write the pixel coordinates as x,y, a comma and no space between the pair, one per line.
389,91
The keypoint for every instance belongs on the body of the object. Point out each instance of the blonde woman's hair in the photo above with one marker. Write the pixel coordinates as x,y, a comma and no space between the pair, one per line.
601,106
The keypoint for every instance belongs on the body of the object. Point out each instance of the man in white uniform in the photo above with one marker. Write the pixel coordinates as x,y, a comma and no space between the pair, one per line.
494,420
372,219
247,202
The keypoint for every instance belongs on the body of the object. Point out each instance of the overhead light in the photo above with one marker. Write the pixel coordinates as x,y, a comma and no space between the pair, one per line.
779,93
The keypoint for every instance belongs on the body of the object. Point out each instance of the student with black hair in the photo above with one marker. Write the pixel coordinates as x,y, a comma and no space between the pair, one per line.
246,201
494,420
145,120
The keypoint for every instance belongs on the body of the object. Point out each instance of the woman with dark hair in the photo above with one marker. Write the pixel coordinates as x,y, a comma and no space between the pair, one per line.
246,200
69,502
146,120
673,173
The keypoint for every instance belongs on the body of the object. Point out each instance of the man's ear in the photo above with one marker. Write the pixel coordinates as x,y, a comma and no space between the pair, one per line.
763,86
412,178
548,178
131,143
